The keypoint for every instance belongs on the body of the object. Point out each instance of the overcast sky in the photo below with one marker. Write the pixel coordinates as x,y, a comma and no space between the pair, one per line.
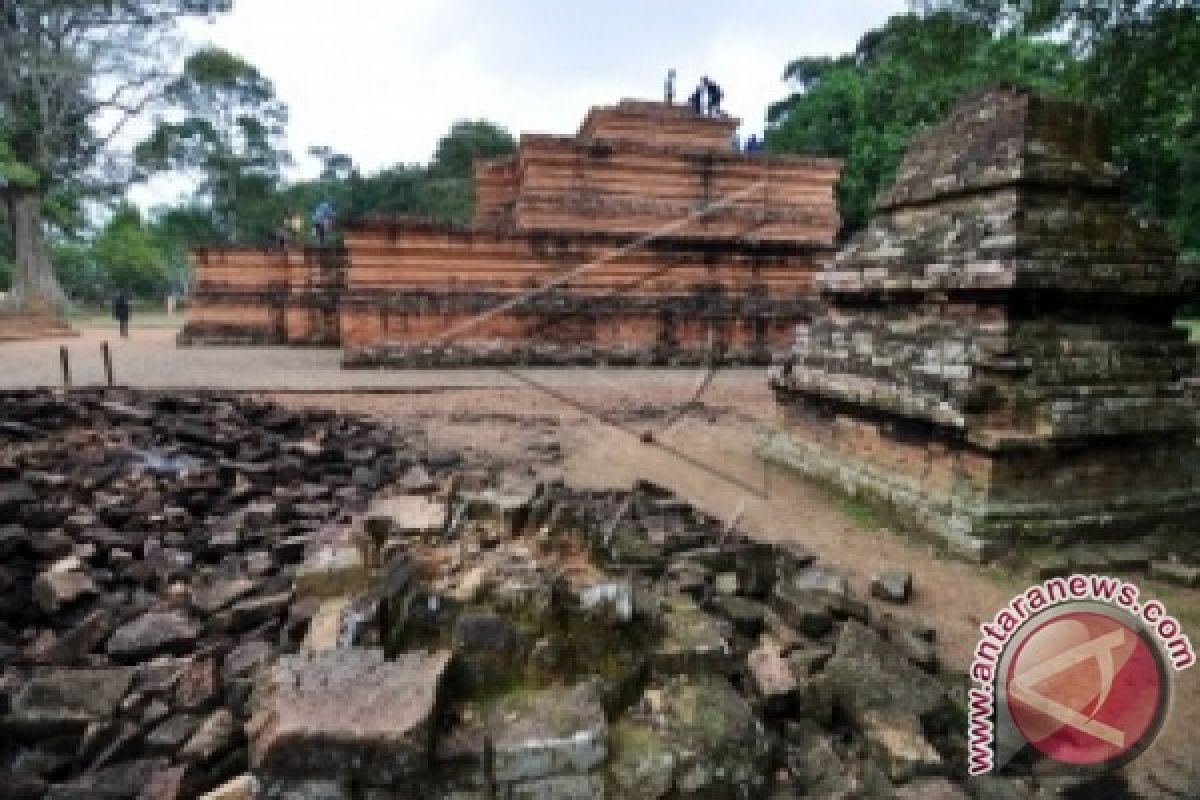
382,80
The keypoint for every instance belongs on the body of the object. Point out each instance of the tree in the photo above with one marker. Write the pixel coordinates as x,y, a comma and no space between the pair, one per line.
866,106
72,75
447,193
230,135
1138,61
129,253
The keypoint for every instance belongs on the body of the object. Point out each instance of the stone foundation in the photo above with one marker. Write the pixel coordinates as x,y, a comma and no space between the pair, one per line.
998,363
643,239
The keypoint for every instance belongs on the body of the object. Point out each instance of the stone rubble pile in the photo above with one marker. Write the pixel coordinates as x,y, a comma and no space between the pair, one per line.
998,362
509,638
223,598
147,551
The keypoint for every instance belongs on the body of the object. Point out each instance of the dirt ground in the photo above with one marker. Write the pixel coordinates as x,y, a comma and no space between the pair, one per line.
595,427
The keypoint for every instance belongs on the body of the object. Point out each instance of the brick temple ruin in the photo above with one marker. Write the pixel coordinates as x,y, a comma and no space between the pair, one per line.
645,238
998,362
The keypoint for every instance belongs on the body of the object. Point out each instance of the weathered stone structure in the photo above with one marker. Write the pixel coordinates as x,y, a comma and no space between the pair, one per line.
998,362
690,251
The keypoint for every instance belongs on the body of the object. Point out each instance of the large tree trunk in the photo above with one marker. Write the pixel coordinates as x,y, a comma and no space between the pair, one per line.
34,286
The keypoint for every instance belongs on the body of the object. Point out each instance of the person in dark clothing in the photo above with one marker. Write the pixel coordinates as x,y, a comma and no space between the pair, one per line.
694,100
714,96
669,89
121,311
754,144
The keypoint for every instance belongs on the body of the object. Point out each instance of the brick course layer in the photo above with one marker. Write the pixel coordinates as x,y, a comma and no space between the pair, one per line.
611,237
997,362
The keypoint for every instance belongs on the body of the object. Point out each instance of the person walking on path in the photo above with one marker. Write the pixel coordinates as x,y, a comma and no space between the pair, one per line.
121,311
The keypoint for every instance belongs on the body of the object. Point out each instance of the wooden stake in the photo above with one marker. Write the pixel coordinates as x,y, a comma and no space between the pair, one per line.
66,365
107,355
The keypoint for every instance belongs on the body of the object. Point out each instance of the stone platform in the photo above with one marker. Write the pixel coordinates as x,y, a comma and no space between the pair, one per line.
998,362
644,233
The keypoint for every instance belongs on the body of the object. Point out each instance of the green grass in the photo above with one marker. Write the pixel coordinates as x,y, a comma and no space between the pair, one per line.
862,513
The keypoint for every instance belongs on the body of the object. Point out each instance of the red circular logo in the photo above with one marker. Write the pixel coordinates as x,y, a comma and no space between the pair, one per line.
1085,688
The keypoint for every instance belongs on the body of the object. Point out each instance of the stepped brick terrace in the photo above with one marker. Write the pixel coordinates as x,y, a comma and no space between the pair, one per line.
998,361
645,238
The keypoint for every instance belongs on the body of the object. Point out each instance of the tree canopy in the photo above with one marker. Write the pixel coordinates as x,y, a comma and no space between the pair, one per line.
1138,61
73,73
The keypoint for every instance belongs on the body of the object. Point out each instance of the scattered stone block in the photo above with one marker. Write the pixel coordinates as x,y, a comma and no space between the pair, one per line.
893,585
243,787
488,648
151,634
771,676
68,699
747,616
214,736
325,629
611,601
410,514
54,589
643,762
563,787
331,571
866,673
694,642
348,713
220,594
508,506
172,734
720,746
896,741
545,733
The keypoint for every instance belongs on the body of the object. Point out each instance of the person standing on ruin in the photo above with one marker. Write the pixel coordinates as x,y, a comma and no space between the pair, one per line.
715,95
322,220
295,226
122,309
282,234
695,101
670,87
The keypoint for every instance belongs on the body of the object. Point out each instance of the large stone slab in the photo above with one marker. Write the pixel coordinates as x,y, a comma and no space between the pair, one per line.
410,514
153,633
331,571
696,738
347,713
868,674
69,699
552,732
